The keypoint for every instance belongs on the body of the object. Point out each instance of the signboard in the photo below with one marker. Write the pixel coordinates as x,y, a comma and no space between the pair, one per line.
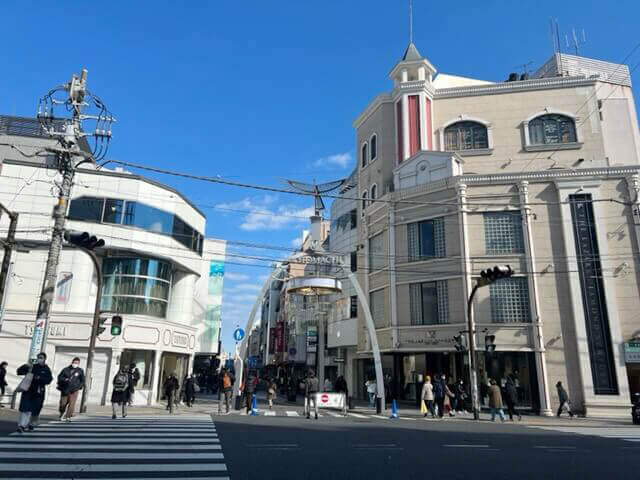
293,351
331,400
280,337
238,334
209,333
272,340
321,260
312,339
338,360
632,352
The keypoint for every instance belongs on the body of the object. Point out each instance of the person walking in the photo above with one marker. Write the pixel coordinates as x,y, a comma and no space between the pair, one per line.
372,390
427,396
495,401
449,398
438,396
461,395
249,389
311,387
70,382
170,388
328,386
189,390
511,397
563,397
3,379
134,378
120,393
271,392
32,397
227,387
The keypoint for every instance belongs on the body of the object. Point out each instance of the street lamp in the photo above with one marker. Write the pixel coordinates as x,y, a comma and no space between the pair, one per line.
487,277
87,243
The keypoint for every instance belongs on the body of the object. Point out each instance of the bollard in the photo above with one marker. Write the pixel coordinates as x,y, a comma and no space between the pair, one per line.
394,409
254,406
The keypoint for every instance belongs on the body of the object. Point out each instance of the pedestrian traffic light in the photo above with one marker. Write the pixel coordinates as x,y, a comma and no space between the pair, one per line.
83,240
459,343
116,325
490,275
490,343
101,327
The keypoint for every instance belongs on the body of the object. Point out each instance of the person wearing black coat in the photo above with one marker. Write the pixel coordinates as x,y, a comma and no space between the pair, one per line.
3,378
170,387
70,382
31,401
511,397
189,390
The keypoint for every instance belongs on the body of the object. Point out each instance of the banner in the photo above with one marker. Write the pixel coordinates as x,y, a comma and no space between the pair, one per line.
280,337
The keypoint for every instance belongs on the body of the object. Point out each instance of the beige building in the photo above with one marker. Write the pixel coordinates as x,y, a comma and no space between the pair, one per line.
458,175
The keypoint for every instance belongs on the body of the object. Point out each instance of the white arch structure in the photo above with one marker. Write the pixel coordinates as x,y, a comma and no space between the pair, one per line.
377,359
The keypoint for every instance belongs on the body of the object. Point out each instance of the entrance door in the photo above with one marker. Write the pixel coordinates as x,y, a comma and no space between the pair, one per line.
101,366
172,363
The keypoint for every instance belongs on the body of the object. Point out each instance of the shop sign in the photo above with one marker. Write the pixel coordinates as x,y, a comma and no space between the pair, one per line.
180,340
272,340
280,337
54,330
321,260
632,352
425,338
312,339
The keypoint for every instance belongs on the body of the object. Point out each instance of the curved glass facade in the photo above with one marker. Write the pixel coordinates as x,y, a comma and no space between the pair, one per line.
135,214
139,286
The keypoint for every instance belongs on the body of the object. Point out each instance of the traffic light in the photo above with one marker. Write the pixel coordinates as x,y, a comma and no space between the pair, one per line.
490,275
459,343
116,325
101,327
490,343
83,240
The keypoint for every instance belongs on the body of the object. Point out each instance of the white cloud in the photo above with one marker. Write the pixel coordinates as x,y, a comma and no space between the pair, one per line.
263,278
263,215
338,160
237,277
245,287
240,298
296,242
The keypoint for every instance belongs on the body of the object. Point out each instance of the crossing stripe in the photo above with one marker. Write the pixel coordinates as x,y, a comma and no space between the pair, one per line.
292,414
357,415
101,446
108,456
113,467
118,435
29,438
61,431
270,414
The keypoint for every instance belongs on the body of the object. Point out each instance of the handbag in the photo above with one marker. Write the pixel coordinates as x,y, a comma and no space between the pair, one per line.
196,388
25,383
423,408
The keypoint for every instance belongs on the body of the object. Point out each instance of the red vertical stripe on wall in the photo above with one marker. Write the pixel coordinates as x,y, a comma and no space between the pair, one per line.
399,130
414,124
427,123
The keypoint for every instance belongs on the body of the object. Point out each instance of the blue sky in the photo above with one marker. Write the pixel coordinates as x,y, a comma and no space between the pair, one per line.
263,90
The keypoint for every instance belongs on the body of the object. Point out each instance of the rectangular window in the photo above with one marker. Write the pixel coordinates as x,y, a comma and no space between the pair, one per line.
510,300
113,211
426,239
503,232
593,296
429,303
354,261
143,360
377,256
353,214
63,287
353,306
148,218
86,208
376,303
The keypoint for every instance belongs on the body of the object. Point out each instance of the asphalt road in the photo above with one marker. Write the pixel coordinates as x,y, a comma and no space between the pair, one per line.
337,448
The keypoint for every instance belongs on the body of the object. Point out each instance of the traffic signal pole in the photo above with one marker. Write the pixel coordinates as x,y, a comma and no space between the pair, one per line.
473,380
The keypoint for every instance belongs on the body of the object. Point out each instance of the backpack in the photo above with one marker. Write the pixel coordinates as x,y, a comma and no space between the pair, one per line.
226,381
121,382
438,390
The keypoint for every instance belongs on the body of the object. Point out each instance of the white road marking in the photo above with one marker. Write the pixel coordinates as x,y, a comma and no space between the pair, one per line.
108,456
357,415
292,414
114,467
407,418
270,414
118,435
380,416
120,446
29,438
466,446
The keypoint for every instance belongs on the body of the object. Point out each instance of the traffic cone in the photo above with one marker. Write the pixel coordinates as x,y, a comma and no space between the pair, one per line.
394,409
254,406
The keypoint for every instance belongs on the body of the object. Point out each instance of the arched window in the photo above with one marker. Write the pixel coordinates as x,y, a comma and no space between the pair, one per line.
551,129
374,192
374,147
466,136
364,155
364,200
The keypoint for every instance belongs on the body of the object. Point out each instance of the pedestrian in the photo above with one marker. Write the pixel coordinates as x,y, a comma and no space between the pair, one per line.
511,397
227,387
70,382
327,385
249,389
341,386
120,393
33,392
3,380
495,401
461,395
311,388
171,387
134,379
189,390
372,390
563,397
427,396
271,392
439,395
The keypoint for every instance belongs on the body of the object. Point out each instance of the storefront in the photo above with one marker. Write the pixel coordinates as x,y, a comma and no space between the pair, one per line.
172,363
632,360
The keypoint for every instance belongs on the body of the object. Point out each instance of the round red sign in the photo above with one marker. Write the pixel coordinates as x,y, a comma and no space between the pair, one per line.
324,398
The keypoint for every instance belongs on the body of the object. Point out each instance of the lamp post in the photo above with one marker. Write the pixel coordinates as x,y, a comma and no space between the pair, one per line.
487,277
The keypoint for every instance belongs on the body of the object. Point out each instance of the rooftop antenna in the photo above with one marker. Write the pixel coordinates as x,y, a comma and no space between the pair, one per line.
577,43
410,21
317,190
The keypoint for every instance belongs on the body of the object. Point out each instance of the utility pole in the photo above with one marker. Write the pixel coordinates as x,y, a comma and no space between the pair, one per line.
69,155
6,259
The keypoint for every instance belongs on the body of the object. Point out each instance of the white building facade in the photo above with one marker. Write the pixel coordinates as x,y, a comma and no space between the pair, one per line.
159,272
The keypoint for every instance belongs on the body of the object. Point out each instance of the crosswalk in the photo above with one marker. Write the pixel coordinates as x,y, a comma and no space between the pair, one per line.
325,414
158,447
629,433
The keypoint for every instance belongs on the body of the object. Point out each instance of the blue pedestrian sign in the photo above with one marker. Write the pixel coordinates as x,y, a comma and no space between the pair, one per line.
238,334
